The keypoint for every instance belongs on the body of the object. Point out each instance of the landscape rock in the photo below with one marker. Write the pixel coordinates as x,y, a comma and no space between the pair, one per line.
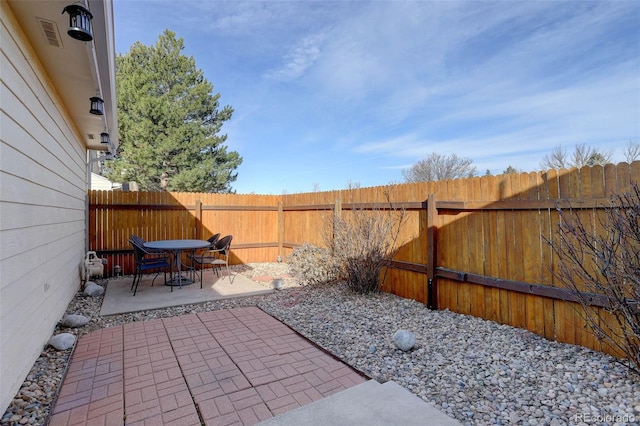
62,341
74,321
404,340
94,290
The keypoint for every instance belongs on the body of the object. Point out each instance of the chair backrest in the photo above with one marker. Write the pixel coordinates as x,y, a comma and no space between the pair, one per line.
223,244
213,240
138,251
137,240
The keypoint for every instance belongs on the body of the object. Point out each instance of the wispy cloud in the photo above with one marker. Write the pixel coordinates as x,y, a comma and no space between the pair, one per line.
506,79
380,84
298,60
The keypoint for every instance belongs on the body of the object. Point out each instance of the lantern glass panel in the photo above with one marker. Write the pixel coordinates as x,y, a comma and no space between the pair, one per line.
97,106
79,22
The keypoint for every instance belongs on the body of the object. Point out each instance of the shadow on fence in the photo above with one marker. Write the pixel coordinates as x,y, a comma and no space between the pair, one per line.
474,246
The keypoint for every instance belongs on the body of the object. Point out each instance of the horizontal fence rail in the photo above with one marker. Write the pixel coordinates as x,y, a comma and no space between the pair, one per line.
476,246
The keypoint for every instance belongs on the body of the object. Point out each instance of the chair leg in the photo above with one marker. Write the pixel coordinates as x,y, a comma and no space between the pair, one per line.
229,274
135,289
193,266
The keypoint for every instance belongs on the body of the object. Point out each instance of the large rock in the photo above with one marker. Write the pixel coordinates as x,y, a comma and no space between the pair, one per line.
404,340
74,321
62,341
92,289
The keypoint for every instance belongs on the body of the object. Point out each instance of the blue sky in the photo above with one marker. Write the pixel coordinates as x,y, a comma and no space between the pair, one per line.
329,94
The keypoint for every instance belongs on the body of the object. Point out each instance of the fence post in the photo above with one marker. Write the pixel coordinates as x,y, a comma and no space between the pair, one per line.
432,230
280,230
337,214
198,212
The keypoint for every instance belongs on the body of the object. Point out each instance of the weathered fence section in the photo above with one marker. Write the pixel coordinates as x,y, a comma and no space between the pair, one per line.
476,246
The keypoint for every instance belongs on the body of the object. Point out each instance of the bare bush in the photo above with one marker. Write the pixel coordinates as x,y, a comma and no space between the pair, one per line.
312,265
363,243
606,263
360,243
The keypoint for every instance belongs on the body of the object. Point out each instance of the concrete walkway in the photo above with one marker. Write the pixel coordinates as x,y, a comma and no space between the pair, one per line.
370,404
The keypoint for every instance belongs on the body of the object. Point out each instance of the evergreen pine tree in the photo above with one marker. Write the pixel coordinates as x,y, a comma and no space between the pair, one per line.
169,123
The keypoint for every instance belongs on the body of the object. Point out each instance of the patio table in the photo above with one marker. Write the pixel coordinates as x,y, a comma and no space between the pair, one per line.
177,246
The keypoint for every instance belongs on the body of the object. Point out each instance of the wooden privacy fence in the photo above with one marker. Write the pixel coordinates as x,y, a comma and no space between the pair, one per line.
475,246
114,216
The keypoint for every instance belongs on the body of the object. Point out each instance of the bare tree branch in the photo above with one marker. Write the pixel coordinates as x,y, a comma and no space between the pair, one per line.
582,156
602,256
632,151
440,167
557,159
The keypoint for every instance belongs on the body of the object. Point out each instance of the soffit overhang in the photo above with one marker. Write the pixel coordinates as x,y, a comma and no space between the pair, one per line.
78,70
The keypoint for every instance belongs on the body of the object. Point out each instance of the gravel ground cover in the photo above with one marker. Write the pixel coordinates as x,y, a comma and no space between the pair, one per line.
476,371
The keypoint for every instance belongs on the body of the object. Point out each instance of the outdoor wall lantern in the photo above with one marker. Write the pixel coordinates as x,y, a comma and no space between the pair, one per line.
97,106
104,138
79,22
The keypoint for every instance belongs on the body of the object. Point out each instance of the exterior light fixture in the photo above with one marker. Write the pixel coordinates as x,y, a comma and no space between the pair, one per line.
79,22
104,138
97,106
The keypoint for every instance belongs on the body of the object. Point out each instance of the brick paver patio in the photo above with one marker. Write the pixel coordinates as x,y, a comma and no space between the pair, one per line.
230,367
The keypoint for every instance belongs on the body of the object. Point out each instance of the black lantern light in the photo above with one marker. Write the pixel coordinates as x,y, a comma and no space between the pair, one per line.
79,22
104,138
97,106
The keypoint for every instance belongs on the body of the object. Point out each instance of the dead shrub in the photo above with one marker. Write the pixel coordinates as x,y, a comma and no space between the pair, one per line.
605,262
312,265
363,243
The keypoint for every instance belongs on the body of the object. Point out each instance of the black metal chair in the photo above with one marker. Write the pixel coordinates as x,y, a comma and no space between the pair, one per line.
200,252
218,255
147,261
140,241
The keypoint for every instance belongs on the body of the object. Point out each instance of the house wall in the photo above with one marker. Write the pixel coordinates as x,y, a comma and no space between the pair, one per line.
42,207
101,183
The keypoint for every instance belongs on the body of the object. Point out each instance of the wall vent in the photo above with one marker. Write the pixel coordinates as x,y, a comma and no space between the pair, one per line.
91,136
50,32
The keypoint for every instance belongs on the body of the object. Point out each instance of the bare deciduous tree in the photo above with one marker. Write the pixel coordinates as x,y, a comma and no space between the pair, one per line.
583,155
632,152
605,263
556,159
353,185
440,167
